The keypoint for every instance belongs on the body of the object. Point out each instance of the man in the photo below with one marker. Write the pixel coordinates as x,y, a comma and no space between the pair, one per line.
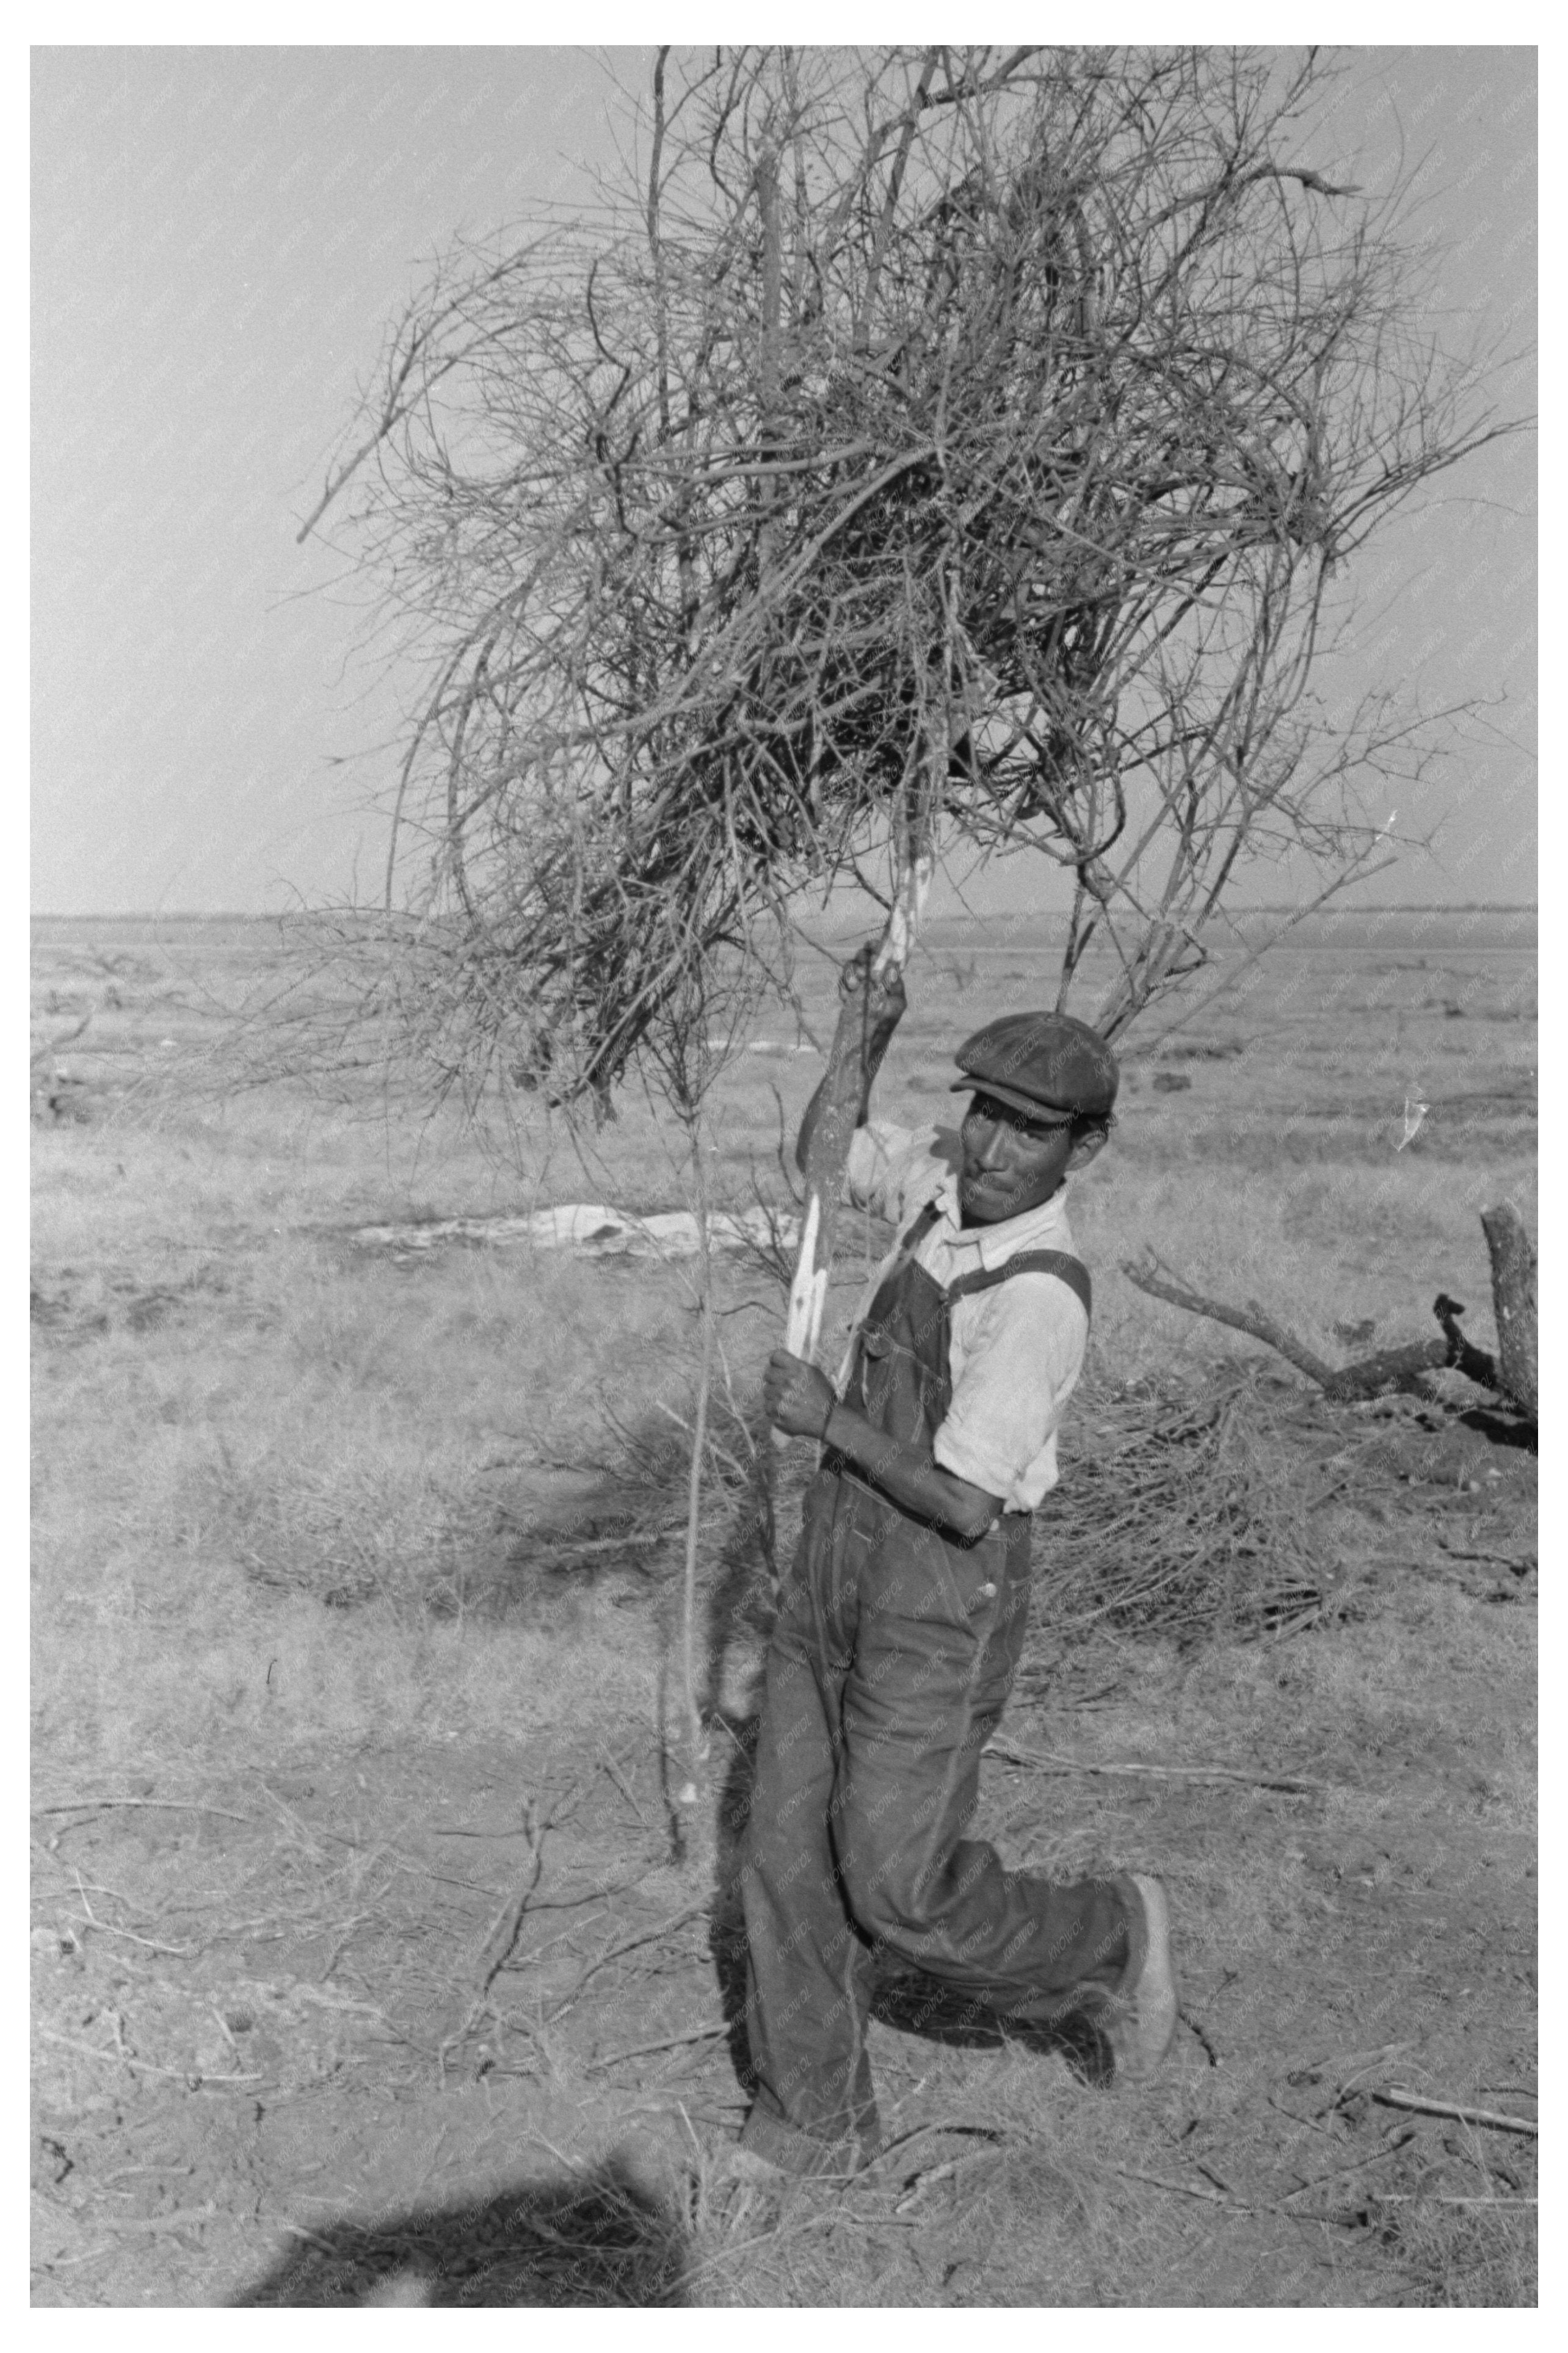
902,1619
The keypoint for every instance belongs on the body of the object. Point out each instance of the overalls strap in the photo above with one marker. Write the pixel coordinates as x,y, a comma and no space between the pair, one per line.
1061,1263
919,1229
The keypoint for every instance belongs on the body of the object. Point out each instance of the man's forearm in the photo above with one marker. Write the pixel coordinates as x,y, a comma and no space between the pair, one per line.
875,1009
813,1112
914,1481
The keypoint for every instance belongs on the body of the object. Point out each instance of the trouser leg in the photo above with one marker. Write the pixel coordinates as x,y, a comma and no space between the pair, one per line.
808,1970
940,1630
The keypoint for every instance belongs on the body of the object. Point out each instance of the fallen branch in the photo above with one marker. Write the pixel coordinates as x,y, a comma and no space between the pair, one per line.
646,2050
1189,2189
1354,2164
1396,2097
628,1944
1429,2198
156,1805
107,1927
143,2066
1474,1362
955,2126
51,1046
591,1895
1520,1563
923,2179
1357,2063
649,1540
496,1945
614,1771
1404,1367
298,2230
506,1928
178,2220
1047,1760
1330,2214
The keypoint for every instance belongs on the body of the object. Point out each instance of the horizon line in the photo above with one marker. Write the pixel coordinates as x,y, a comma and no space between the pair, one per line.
1260,907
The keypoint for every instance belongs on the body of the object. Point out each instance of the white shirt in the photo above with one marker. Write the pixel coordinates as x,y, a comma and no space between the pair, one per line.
1015,1351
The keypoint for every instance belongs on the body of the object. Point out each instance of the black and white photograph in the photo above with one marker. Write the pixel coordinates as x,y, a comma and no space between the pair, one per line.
783,1223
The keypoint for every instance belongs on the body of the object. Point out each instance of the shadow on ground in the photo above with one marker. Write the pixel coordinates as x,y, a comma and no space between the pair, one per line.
1503,1427
598,2239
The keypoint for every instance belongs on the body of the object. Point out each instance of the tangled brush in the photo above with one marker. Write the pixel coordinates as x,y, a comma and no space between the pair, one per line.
917,445
1184,1513
1181,1513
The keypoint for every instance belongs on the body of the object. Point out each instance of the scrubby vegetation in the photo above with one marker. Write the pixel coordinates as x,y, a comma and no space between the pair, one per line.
363,1967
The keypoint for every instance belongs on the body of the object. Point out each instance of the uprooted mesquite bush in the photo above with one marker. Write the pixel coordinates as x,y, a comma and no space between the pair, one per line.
918,451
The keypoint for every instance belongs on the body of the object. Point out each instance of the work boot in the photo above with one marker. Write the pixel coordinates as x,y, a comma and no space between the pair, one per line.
1138,2018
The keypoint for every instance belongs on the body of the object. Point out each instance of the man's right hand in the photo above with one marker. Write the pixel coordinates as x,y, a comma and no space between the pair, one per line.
886,1001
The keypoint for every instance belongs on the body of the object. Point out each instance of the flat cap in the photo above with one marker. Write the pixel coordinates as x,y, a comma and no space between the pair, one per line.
1041,1061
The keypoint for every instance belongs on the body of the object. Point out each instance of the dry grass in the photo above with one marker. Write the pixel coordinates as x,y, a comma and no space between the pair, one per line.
307,1520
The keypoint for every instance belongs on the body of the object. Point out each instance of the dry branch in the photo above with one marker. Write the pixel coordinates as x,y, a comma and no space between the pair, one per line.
1396,2097
180,2219
1474,1362
1404,1367
155,1805
628,1944
1430,2198
502,1934
52,1046
143,2066
647,2050
932,443
1151,1275
1048,1760
1187,2190
1282,2205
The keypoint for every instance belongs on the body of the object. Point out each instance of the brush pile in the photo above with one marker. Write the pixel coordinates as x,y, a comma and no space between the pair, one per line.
1189,1512
1181,1513
1185,1514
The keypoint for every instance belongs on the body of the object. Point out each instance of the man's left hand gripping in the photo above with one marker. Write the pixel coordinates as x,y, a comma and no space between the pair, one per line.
799,1399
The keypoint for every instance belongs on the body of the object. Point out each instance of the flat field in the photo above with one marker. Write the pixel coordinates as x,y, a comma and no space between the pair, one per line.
365,1965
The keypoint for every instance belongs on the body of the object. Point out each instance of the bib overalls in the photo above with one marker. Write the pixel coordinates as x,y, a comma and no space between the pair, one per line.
892,1658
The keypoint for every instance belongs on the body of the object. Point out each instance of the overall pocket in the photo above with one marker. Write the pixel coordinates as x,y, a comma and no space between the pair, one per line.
921,1579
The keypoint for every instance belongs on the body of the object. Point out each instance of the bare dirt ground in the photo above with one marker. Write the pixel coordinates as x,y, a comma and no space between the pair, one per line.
365,1969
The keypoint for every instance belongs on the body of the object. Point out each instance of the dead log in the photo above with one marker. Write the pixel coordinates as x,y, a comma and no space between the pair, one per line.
1514,1303
1391,1368
1474,1362
1404,1367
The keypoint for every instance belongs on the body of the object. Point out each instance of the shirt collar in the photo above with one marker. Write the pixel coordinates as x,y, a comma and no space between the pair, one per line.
996,1244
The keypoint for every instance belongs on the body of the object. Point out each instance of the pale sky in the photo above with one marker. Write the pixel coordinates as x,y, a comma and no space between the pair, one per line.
220,238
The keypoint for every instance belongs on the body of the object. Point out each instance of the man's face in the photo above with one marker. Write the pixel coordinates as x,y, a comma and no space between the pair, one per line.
1013,1162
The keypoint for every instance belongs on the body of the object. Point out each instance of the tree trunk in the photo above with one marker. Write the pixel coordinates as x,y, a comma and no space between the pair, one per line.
1513,1303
